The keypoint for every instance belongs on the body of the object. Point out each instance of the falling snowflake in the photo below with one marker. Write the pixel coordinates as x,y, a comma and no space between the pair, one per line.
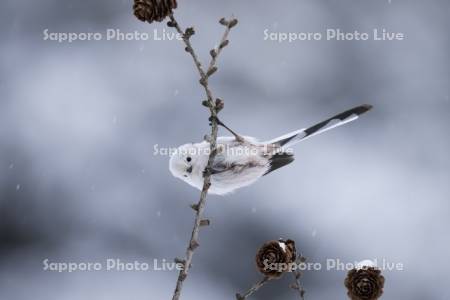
18,187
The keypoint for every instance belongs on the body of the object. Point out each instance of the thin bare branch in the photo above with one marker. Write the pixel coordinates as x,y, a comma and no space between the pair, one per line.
211,104
297,285
253,289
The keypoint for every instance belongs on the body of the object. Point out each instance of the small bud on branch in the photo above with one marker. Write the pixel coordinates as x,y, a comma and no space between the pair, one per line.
233,23
189,32
211,71
194,245
224,44
205,222
219,104
223,22
179,260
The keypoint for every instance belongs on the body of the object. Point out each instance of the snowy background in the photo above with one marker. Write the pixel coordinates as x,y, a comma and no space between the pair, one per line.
78,123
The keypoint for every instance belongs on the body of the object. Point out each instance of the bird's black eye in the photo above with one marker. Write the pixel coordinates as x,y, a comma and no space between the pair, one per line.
188,158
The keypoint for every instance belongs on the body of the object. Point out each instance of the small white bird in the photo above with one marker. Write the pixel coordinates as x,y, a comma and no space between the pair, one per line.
242,160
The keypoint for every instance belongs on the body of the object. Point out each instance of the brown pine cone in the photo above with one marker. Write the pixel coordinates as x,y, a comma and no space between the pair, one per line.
153,10
364,284
275,252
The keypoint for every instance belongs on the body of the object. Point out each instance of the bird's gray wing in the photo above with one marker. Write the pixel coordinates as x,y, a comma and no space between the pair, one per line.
278,160
219,164
222,165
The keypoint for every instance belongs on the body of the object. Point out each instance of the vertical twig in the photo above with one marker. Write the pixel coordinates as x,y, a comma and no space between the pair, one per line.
253,289
297,285
214,109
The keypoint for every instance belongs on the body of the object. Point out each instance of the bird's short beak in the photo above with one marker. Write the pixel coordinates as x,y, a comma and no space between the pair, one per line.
189,170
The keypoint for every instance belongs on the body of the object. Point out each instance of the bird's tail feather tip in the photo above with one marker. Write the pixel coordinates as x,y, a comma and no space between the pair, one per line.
366,108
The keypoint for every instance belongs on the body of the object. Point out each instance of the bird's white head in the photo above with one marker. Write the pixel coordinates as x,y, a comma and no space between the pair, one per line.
181,161
187,164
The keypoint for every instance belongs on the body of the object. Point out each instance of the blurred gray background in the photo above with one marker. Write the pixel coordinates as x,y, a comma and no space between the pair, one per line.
78,123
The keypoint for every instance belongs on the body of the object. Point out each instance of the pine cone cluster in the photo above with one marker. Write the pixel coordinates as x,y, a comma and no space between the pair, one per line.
274,253
364,284
153,10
